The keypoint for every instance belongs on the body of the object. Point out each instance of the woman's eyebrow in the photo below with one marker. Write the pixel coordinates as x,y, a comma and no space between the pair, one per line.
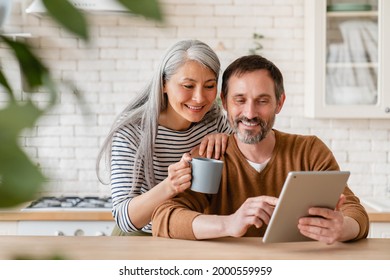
193,80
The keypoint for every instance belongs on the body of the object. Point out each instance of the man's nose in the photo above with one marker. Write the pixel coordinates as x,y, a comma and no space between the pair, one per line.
250,110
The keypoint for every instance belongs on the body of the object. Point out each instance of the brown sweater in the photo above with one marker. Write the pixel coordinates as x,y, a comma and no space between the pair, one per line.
240,181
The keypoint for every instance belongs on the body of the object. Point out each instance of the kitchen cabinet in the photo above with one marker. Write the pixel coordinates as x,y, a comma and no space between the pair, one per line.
65,228
8,227
347,51
379,230
379,216
52,223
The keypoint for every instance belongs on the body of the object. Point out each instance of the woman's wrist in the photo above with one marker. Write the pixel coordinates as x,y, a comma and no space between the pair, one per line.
167,189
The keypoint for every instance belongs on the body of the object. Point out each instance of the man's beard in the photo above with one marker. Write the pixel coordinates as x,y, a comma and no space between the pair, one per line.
248,136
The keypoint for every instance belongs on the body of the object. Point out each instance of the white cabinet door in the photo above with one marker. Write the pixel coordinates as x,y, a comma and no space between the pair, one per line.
8,228
379,230
66,228
347,58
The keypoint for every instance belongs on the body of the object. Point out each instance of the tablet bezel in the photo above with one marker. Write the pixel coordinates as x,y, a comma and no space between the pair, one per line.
302,190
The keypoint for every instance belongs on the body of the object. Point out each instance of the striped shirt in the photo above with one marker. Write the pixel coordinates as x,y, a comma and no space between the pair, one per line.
170,145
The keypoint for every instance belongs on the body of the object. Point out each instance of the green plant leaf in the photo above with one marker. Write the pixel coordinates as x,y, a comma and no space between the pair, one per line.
5,84
51,86
16,117
34,72
32,68
68,16
147,8
20,179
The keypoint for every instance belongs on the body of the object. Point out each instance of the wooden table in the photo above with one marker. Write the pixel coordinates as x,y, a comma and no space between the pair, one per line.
148,248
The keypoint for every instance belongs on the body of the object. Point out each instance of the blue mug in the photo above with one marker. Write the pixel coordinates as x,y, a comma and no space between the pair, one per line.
206,175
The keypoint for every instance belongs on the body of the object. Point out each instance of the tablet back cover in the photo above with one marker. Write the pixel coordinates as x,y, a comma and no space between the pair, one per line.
302,190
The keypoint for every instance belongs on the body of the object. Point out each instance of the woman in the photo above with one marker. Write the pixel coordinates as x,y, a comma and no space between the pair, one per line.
170,117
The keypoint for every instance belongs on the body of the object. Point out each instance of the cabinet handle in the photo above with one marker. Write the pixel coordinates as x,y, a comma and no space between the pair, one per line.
387,110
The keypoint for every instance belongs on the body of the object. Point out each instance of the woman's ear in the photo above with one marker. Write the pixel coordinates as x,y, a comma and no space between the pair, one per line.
164,89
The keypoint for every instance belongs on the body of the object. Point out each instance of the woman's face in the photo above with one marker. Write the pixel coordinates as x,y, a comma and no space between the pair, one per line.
191,92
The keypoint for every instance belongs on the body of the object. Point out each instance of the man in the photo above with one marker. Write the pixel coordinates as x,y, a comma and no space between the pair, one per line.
256,163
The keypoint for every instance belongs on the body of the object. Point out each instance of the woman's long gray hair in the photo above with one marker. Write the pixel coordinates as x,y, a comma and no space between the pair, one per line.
145,109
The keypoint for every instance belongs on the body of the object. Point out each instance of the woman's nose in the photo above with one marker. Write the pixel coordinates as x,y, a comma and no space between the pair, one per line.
198,95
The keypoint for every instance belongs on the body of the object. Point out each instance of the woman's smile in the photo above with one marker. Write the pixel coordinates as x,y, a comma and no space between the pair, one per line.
194,108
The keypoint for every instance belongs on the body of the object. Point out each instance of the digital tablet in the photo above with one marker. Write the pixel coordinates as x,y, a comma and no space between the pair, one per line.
301,191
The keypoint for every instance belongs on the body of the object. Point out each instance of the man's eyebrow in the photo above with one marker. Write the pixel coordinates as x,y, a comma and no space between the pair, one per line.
261,95
237,94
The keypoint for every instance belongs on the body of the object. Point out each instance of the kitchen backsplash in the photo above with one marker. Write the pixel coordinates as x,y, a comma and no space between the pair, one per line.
124,50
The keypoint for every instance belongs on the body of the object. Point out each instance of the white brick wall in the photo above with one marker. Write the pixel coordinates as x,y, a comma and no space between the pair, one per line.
123,52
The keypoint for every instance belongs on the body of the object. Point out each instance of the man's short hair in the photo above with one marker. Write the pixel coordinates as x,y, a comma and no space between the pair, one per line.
251,63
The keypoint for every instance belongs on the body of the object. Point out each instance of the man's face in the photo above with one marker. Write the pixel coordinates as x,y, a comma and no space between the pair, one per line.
251,105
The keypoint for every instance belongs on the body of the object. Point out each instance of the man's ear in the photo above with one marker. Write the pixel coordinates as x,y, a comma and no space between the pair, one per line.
223,99
280,103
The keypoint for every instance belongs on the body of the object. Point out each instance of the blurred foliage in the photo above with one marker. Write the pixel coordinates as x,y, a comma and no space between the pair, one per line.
20,178
26,257
257,43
